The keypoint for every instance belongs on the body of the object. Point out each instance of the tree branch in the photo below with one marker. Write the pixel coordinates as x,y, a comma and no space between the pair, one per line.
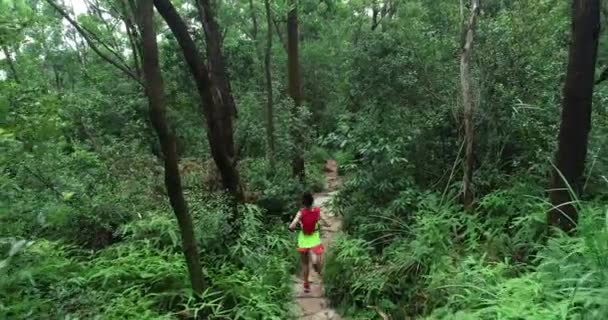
254,20
105,45
126,12
110,27
603,76
125,69
92,8
44,181
134,47
11,65
276,26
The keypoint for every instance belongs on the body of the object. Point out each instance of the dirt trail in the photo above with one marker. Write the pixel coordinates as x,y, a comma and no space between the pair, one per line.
314,305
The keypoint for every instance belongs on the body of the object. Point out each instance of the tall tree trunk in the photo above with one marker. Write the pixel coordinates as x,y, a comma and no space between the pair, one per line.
155,93
11,64
468,104
217,104
224,105
269,93
217,67
576,114
295,90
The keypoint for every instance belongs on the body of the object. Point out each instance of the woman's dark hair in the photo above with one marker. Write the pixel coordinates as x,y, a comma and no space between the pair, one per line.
307,199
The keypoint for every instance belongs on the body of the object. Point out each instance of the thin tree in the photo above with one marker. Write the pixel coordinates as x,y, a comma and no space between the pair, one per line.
294,86
265,56
269,93
576,114
468,104
9,61
254,22
154,89
217,103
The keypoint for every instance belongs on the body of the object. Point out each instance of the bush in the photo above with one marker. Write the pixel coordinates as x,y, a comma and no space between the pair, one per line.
351,275
447,264
317,155
569,282
278,192
144,276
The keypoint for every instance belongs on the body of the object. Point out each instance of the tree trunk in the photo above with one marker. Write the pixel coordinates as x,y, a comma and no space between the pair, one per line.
576,114
375,12
217,67
269,93
468,104
217,104
295,90
11,65
225,108
155,93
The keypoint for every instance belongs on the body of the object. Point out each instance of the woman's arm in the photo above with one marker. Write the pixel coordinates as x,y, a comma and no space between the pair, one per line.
295,221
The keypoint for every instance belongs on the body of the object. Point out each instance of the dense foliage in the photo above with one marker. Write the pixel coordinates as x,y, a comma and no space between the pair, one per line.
410,250
86,229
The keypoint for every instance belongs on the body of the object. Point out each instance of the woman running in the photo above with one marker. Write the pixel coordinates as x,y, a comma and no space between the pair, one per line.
309,237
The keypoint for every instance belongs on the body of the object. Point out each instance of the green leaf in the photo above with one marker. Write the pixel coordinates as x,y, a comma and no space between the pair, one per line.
67,195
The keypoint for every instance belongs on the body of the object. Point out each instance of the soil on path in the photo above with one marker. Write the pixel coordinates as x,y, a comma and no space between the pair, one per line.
314,305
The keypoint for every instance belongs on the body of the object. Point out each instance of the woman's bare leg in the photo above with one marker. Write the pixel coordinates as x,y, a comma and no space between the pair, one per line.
318,263
305,266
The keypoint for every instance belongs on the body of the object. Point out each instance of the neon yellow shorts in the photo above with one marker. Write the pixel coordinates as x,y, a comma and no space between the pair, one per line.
311,242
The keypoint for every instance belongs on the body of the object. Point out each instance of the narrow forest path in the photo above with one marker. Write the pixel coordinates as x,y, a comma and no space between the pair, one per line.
314,305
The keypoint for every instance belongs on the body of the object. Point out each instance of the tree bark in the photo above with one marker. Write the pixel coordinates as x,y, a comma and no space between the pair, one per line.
217,67
576,114
11,65
269,93
155,93
225,108
294,87
375,11
217,103
468,105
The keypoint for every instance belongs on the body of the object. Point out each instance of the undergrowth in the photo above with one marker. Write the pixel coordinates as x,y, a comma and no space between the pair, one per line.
144,276
422,256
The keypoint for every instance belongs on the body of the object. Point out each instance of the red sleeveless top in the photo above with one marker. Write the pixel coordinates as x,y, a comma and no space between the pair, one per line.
309,219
